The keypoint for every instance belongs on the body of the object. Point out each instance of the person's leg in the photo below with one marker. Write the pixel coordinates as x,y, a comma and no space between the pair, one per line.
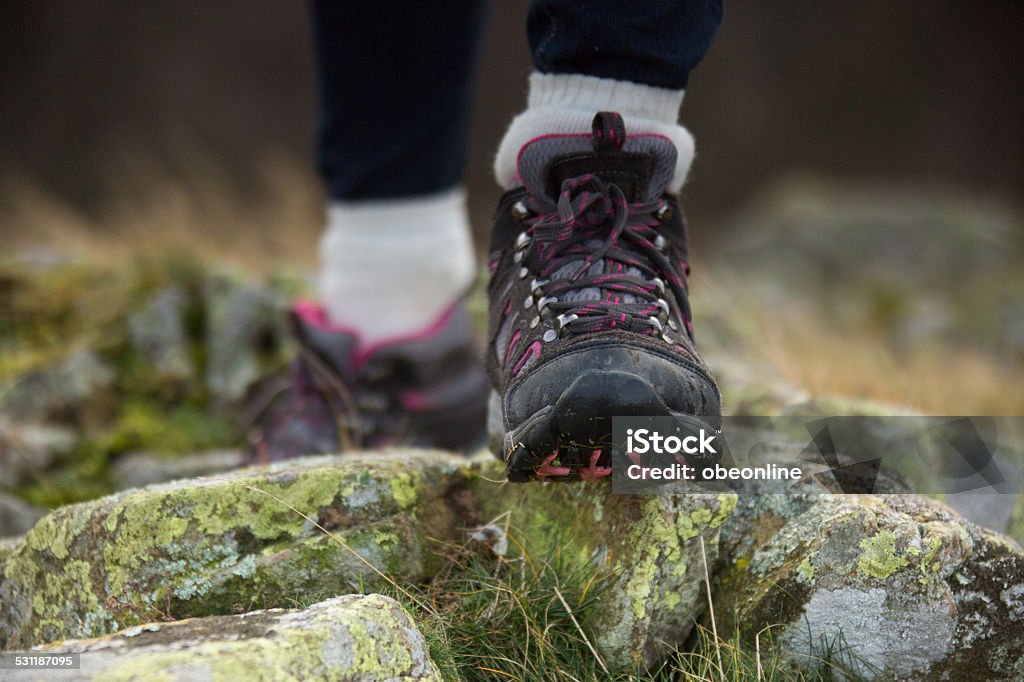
386,355
394,84
633,58
590,316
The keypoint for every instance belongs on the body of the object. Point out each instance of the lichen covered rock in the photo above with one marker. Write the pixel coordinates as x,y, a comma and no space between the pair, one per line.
648,545
350,638
910,588
227,545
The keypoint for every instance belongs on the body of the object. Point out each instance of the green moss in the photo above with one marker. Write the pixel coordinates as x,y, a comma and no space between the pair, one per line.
806,568
55,532
404,490
929,561
879,558
726,506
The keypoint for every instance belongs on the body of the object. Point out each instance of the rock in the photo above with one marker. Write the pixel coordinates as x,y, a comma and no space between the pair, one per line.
649,544
26,448
158,335
991,506
914,591
243,336
350,638
924,265
17,516
138,469
59,392
218,546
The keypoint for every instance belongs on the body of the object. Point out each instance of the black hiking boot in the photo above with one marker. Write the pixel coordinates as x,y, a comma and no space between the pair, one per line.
590,316
427,389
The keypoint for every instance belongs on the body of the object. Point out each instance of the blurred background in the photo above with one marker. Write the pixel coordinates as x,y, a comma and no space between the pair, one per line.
96,93
855,207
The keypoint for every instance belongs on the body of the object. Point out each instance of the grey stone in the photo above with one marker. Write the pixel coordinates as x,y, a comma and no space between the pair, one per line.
914,590
58,391
27,447
351,638
243,336
138,469
17,516
158,334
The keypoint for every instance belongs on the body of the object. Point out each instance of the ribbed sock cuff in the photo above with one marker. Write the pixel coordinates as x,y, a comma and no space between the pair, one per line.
566,103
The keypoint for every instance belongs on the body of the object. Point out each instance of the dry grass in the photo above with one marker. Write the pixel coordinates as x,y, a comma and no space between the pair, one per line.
822,357
153,211
150,210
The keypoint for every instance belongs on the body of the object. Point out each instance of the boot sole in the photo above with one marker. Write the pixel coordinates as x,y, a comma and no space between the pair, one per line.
571,440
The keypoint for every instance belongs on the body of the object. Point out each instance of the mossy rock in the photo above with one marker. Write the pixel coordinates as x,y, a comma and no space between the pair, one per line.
649,547
910,588
229,544
351,638
237,542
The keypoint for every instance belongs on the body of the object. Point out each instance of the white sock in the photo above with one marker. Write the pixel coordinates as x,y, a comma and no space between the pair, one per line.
392,267
566,103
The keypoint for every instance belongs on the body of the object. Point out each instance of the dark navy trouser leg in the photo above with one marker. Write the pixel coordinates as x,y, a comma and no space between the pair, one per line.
395,77
394,81
654,42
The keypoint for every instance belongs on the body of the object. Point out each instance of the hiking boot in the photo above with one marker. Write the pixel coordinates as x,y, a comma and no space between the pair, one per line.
427,389
590,316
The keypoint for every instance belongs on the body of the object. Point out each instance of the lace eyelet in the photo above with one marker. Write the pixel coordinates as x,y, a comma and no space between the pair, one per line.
549,336
528,303
664,213
543,303
519,211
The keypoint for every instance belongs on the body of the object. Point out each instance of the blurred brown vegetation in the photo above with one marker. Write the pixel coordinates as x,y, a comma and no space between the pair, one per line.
147,126
902,90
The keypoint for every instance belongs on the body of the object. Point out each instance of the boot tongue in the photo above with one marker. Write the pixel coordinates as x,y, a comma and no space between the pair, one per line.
641,165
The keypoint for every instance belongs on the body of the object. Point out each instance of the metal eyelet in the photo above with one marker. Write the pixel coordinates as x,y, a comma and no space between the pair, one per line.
664,214
565,319
519,211
660,284
534,322
543,302
656,323
528,303
672,325
550,335
663,304
523,240
666,339
537,284
517,258
523,273
660,242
